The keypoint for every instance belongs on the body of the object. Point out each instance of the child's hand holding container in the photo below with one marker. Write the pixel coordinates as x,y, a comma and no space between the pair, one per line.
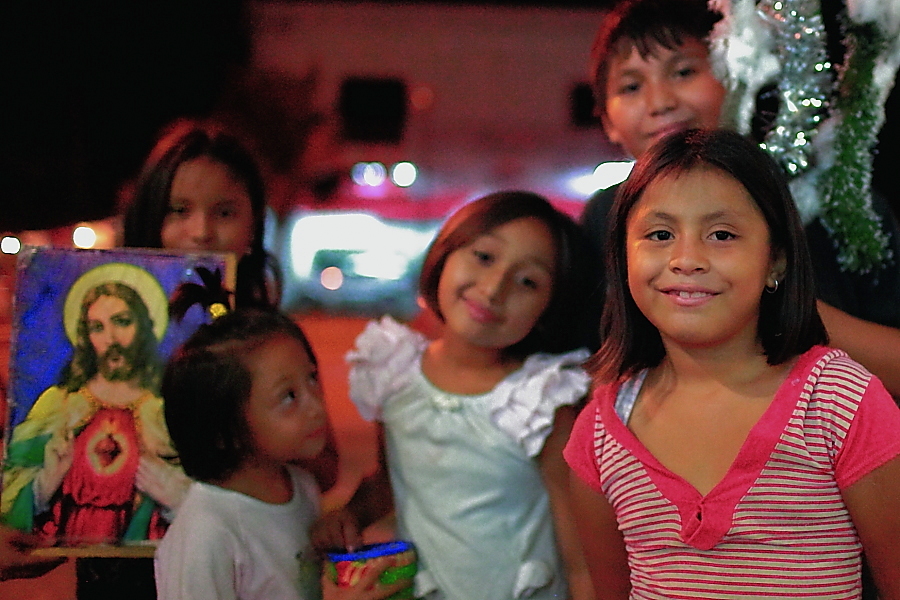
372,572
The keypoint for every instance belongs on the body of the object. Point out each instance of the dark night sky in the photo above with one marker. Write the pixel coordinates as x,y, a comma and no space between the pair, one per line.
88,85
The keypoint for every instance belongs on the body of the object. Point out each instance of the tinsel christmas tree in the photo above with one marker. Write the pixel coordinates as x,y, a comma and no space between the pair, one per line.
828,119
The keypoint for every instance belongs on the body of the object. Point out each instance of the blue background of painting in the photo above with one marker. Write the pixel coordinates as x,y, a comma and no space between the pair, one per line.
40,349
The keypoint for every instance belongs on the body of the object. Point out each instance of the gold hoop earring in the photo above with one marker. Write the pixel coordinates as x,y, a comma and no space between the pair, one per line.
774,288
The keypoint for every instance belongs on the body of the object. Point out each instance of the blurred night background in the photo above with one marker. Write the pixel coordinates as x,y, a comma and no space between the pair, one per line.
88,85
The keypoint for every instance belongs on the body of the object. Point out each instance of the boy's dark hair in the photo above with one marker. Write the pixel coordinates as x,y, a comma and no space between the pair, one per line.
184,141
206,385
789,322
557,329
645,25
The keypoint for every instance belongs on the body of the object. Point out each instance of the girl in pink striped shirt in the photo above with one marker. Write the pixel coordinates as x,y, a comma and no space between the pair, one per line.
727,453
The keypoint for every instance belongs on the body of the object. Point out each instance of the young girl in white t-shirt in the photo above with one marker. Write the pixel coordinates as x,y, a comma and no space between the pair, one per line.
243,406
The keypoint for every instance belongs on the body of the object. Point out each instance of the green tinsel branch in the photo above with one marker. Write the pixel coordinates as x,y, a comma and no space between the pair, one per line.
846,187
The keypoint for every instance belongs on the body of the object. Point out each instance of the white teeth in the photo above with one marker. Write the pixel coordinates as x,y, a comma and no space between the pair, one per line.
691,294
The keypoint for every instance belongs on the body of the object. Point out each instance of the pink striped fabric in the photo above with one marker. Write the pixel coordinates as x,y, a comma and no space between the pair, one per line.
776,526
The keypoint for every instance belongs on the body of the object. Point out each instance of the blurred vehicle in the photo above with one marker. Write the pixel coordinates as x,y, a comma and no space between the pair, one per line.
354,262
360,252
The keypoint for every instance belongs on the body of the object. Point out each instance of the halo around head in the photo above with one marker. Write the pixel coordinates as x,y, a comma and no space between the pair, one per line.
140,280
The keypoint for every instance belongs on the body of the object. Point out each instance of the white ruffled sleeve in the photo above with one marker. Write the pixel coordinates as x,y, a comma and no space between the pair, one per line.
382,363
525,403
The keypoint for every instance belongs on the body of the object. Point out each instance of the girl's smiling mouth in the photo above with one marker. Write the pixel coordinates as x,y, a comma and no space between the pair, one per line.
689,296
481,313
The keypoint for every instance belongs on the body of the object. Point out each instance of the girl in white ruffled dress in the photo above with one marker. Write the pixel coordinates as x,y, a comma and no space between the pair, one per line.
473,423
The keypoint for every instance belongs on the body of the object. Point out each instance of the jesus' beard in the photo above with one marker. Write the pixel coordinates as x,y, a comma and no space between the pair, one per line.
125,369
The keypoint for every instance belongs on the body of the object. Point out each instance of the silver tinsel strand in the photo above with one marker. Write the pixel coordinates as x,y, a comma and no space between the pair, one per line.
824,132
805,83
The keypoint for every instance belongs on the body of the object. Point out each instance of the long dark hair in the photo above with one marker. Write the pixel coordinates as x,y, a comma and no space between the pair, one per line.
185,141
789,322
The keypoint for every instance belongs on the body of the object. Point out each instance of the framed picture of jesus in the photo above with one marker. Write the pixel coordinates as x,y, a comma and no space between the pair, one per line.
88,461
